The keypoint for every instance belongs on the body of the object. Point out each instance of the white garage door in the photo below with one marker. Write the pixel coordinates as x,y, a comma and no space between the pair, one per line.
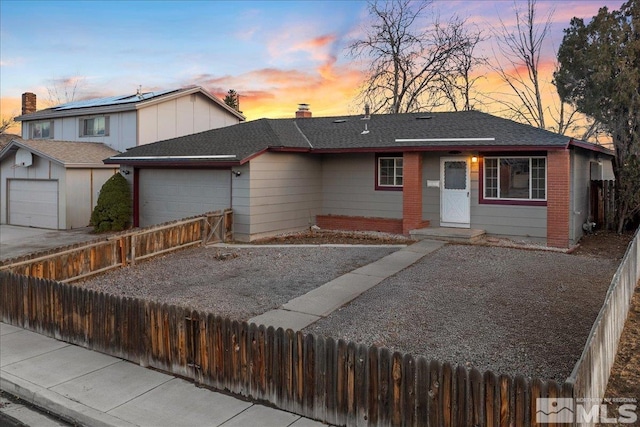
33,202
170,194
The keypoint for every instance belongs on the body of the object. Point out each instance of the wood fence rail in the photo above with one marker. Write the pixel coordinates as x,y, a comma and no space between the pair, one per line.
86,259
591,373
338,382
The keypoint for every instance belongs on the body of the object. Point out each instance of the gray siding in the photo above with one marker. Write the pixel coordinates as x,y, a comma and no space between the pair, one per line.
348,188
503,220
241,203
580,187
285,193
171,194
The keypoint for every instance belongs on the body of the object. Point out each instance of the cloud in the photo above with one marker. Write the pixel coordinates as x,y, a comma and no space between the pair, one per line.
12,62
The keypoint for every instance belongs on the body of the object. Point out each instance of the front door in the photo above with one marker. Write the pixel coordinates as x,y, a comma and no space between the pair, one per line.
455,201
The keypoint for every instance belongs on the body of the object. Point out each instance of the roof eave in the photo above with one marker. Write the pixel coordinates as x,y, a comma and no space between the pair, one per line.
591,147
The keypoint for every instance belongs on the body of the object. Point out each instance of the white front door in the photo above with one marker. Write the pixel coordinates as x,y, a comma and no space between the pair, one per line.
455,200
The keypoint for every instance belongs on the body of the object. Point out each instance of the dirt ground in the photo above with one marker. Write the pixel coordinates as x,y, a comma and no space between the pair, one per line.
324,237
624,382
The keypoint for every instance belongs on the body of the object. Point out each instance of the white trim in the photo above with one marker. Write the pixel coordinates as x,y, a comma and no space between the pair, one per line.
443,139
212,157
443,221
512,199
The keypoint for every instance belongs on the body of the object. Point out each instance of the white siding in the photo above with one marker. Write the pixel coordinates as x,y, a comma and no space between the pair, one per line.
33,203
285,193
41,169
81,195
348,188
181,116
122,130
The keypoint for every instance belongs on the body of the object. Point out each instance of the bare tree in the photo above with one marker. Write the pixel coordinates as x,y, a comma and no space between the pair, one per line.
521,49
64,90
457,85
405,56
6,123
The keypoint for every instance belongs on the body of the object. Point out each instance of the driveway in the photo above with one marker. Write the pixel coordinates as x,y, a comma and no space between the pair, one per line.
16,241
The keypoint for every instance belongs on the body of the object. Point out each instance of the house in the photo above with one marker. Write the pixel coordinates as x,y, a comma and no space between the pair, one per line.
57,187
52,184
129,120
393,173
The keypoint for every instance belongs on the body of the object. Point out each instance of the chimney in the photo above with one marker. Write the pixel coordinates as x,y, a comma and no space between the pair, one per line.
28,103
303,111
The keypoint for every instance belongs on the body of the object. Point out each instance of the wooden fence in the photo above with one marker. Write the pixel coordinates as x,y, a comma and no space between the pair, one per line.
338,382
591,373
118,250
603,204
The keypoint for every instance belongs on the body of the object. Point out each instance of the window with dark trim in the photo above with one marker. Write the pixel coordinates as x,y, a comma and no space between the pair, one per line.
41,130
514,179
94,126
389,172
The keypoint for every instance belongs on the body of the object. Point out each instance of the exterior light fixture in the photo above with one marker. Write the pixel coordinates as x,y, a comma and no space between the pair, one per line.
474,159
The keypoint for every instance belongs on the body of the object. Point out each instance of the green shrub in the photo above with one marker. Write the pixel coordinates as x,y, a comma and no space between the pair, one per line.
114,207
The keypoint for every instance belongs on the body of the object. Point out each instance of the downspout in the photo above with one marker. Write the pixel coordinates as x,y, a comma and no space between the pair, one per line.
136,197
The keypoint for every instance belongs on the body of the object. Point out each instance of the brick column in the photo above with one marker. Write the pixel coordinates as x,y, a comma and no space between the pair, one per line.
558,194
412,192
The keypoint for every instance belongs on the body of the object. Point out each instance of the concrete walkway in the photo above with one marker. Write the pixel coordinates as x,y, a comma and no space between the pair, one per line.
93,389
304,310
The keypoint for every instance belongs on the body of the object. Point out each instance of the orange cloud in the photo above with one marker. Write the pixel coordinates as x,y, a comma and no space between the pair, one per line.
11,107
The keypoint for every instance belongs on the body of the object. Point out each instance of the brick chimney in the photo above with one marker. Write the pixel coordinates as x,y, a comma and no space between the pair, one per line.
28,103
303,111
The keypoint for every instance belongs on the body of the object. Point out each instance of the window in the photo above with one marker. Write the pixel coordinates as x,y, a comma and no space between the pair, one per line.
515,178
94,126
41,130
389,172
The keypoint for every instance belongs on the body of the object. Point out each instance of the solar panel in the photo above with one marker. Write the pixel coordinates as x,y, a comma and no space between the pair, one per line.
112,100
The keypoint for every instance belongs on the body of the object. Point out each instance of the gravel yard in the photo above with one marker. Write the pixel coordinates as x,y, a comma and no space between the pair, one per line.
508,310
238,283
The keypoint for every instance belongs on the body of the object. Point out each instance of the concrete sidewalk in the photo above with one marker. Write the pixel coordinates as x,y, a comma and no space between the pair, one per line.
93,389
304,310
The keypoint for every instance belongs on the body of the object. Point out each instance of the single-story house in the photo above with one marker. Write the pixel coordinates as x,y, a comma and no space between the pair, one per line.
392,173
52,184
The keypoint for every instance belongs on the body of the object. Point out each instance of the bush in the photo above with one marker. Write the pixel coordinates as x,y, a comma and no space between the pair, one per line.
114,207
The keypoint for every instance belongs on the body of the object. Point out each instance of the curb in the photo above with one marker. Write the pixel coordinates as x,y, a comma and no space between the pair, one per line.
66,409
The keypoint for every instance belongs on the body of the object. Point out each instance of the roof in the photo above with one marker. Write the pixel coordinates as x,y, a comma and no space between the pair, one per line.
129,102
469,130
70,154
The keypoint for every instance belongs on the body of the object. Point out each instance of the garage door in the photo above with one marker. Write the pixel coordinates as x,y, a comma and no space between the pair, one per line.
170,194
33,202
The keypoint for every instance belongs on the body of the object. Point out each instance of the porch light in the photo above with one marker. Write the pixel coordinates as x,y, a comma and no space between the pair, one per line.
474,159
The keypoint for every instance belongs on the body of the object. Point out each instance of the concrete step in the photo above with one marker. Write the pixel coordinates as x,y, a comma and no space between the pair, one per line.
449,234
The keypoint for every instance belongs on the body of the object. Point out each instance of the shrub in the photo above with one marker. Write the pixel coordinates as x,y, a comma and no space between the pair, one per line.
114,207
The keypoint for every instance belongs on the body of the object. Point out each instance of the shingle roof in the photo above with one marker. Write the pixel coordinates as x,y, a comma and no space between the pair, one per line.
420,131
67,153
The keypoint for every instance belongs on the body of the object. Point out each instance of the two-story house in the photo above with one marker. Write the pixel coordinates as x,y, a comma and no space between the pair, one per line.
52,176
126,121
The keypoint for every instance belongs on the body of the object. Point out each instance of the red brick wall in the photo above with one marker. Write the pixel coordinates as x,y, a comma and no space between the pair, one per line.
359,223
412,192
558,193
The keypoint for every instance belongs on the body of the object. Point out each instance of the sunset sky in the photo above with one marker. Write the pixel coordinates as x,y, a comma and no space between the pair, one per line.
275,54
